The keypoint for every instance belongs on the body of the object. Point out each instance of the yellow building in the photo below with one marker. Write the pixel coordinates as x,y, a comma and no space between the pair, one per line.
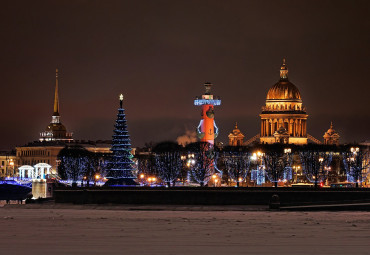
8,165
331,136
47,152
284,118
236,137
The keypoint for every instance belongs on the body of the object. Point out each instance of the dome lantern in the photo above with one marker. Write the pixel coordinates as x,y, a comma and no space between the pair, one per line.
284,71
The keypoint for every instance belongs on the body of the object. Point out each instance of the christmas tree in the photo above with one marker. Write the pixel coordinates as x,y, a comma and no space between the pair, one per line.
121,165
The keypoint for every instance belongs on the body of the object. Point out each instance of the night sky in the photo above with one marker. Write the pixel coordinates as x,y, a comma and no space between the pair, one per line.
160,53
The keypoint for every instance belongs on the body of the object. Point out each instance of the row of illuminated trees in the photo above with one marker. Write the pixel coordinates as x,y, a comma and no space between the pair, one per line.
168,163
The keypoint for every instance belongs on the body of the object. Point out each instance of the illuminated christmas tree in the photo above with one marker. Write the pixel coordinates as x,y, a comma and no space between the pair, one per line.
119,169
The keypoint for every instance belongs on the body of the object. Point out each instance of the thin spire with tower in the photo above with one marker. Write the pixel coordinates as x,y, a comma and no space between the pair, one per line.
56,95
56,130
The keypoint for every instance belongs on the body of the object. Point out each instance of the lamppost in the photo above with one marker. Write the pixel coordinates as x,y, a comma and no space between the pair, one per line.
97,177
354,151
190,162
151,180
214,177
142,179
257,157
82,182
327,171
296,172
11,163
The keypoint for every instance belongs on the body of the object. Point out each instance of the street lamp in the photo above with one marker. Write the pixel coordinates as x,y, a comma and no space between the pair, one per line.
97,177
214,177
11,163
83,179
354,150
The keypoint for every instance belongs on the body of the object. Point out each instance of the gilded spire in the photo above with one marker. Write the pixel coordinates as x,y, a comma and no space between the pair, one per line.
236,125
56,96
283,71
331,125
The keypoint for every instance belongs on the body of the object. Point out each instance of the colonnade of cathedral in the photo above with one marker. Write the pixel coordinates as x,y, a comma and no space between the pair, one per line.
296,127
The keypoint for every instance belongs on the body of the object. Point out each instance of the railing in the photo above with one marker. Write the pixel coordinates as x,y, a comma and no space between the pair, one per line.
207,101
313,139
251,140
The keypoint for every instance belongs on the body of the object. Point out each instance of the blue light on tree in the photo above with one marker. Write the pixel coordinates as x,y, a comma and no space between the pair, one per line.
258,175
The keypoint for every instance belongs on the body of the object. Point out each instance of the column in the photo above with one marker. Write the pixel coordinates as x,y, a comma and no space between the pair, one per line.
302,133
42,173
262,122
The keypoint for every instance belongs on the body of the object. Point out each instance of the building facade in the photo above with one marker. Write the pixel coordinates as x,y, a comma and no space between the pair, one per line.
8,164
47,152
331,137
236,137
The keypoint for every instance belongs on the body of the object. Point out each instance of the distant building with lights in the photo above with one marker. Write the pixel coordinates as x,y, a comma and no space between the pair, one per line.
47,152
8,163
331,136
236,137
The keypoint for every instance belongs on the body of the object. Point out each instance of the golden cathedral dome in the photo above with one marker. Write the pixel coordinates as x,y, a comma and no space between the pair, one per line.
284,89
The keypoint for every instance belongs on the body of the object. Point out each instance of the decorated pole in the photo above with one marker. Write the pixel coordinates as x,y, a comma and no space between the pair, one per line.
207,129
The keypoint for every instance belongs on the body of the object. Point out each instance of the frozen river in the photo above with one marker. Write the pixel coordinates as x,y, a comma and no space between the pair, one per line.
89,231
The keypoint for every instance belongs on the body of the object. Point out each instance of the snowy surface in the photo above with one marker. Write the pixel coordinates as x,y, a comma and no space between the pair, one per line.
83,230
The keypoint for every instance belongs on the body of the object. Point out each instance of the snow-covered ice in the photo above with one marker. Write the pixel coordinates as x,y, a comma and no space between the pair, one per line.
90,231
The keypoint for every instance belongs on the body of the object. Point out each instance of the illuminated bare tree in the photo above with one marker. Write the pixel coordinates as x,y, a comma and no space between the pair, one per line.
95,165
315,165
74,162
237,165
276,163
204,165
146,165
169,165
356,162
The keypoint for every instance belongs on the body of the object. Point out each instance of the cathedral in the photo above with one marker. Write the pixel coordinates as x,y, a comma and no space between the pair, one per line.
283,118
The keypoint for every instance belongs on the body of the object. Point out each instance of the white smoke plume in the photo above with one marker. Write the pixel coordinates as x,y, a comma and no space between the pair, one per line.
188,137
